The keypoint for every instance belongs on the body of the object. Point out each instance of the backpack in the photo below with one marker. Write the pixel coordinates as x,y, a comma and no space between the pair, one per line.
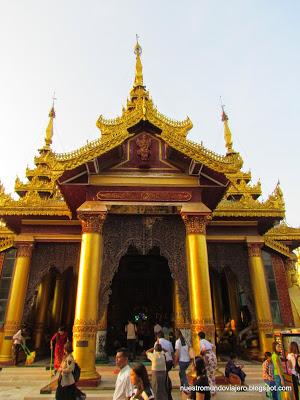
76,372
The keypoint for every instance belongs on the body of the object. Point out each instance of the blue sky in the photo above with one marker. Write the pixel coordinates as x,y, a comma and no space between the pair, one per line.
193,53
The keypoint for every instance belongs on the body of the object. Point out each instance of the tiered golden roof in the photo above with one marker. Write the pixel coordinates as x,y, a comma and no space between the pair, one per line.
40,194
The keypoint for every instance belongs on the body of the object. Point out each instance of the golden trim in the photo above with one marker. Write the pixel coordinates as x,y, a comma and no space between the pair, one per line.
144,180
54,222
233,223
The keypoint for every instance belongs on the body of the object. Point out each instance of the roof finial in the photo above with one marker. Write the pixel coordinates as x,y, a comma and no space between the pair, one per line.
227,132
49,129
138,81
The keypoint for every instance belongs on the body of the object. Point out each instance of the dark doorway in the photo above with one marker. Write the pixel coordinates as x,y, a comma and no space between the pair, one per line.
142,291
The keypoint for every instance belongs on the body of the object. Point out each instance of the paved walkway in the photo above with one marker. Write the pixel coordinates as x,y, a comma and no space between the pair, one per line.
24,383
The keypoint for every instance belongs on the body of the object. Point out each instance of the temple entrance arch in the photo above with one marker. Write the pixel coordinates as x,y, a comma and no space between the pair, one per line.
141,291
143,232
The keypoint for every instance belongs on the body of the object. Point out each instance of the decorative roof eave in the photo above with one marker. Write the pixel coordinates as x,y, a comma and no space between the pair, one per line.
224,164
33,204
283,232
246,212
43,186
6,243
60,162
273,207
278,247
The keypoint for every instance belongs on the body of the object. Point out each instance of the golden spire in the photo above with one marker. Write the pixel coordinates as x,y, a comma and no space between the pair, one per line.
138,80
227,133
49,129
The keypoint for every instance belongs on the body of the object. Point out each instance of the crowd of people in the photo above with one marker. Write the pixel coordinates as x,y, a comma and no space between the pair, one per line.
133,381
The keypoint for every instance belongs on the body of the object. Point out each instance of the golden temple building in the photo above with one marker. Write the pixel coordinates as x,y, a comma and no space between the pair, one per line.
143,223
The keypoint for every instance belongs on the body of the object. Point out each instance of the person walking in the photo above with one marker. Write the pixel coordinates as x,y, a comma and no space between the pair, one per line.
159,373
210,359
268,374
169,353
140,380
293,359
201,384
123,387
278,370
131,335
60,338
18,341
66,389
182,358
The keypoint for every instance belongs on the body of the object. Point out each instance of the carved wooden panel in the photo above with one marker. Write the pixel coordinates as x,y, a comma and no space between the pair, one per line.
44,257
143,232
234,256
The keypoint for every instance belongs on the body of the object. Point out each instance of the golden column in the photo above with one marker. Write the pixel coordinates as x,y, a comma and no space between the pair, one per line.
43,300
198,277
180,318
58,300
16,300
92,217
261,297
218,304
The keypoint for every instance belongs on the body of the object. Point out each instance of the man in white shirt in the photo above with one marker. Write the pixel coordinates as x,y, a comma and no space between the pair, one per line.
131,332
123,387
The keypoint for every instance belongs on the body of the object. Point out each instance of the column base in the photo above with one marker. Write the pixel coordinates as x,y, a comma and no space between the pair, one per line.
7,363
90,380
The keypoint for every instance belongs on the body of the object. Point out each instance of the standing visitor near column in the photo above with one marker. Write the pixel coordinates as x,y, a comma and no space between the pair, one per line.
60,338
158,370
210,359
182,357
123,387
131,333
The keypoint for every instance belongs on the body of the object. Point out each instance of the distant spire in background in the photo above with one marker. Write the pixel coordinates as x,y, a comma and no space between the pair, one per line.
227,132
138,81
49,129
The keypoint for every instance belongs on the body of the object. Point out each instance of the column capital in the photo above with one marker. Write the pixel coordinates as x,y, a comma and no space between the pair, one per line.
254,249
91,222
24,249
195,223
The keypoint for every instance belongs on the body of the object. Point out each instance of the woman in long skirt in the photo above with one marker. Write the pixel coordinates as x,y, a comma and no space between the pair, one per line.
159,372
210,359
60,338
